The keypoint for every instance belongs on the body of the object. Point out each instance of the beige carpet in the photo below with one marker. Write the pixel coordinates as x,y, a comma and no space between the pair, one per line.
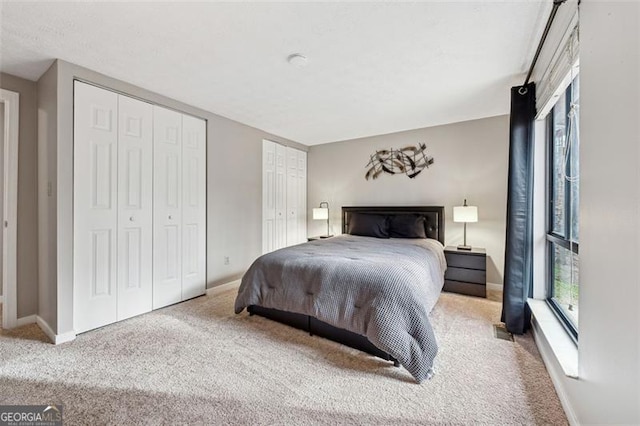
198,363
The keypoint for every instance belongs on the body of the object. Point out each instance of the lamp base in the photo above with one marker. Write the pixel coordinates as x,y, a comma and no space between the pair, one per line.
464,247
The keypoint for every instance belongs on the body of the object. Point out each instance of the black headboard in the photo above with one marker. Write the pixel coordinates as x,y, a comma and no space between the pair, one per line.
434,216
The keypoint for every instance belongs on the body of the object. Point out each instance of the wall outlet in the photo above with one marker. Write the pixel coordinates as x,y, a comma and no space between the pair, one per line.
226,260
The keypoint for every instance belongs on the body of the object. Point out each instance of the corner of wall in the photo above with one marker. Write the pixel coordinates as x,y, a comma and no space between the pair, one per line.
64,198
27,207
47,143
56,339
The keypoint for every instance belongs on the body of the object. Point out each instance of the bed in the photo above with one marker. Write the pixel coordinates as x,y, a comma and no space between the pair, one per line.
362,288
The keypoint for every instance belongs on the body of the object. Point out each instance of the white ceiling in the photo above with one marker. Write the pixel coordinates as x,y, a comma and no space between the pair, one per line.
373,68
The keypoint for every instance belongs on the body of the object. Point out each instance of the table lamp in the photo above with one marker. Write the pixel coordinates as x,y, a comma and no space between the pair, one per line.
465,214
322,213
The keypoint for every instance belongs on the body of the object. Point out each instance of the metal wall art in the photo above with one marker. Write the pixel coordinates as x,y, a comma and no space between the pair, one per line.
409,160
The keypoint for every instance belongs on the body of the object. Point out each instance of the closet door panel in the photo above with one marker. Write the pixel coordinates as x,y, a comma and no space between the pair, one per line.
95,206
281,197
302,196
167,207
268,196
194,202
135,207
292,197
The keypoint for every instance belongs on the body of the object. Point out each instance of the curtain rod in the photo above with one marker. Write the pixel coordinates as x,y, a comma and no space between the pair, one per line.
552,15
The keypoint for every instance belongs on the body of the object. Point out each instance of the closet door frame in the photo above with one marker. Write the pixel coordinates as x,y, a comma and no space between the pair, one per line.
10,148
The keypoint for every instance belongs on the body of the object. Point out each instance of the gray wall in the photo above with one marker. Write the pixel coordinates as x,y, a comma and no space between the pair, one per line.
235,197
1,188
234,187
27,279
47,155
608,388
471,161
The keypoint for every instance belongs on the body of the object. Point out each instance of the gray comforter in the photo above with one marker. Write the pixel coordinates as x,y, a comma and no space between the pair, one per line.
381,289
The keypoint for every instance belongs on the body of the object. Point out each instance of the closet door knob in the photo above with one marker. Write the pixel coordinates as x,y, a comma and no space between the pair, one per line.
131,219
170,217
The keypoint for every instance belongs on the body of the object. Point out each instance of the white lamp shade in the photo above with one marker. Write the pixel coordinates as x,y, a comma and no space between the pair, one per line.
321,213
465,214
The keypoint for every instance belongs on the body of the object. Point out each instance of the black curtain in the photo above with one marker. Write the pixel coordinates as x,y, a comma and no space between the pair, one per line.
518,261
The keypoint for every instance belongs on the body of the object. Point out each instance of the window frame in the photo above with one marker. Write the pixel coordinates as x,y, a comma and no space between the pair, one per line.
553,237
555,307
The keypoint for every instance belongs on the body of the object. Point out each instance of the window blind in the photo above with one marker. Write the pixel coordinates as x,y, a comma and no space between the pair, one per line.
563,65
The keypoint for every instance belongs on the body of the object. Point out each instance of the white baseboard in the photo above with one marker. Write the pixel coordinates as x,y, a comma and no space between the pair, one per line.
56,339
31,319
214,291
65,337
555,372
494,287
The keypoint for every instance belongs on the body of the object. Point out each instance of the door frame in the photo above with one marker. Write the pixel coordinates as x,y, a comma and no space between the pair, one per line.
11,102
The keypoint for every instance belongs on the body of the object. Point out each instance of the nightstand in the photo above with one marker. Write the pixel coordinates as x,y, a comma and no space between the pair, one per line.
466,271
319,237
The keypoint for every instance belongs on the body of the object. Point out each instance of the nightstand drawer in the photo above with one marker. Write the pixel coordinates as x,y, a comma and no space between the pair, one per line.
466,275
465,288
466,261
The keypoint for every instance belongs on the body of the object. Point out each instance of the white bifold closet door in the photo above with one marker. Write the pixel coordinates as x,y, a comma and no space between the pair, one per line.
296,196
135,207
194,208
280,195
139,207
112,207
292,196
179,248
268,196
95,208
167,207
302,197
274,196
284,196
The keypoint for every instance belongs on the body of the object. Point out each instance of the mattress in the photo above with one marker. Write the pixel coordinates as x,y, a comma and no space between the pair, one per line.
383,289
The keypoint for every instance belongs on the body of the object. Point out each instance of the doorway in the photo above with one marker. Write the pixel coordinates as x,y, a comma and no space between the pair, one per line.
9,110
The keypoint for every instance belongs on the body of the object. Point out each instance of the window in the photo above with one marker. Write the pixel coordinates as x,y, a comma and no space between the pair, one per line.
563,144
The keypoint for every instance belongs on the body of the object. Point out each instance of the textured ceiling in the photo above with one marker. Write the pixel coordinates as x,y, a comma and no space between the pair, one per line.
373,68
